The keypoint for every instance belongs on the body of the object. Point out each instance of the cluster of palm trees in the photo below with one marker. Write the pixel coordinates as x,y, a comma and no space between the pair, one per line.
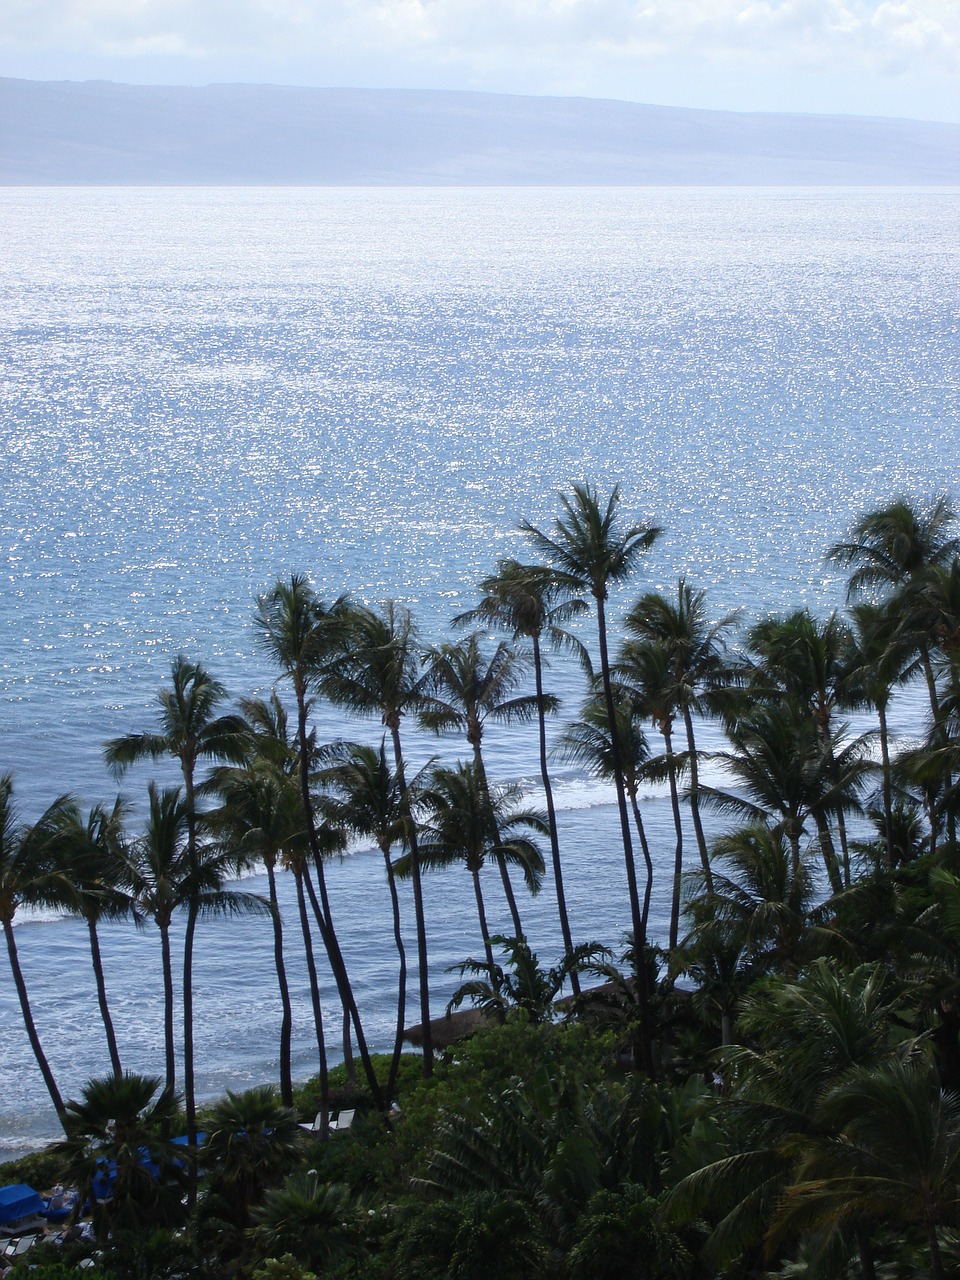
273,793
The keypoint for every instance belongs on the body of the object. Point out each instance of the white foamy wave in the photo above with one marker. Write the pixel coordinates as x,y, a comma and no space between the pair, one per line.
17,1145
38,915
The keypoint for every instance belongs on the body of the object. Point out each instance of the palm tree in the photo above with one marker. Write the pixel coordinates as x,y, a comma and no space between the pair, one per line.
302,636
163,878
760,902
808,660
526,601
589,549
252,1140
880,660
644,667
587,742
317,1222
462,691
23,876
378,673
693,646
523,984
466,823
211,866
116,1144
260,819
801,1039
891,1156
190,731
158,873
87,868
893,549
367,799
778,761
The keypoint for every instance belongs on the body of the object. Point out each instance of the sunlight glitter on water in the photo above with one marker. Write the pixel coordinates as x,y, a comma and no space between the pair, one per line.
204,389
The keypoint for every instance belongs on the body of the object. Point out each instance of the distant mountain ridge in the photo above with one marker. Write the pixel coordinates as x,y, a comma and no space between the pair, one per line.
99,132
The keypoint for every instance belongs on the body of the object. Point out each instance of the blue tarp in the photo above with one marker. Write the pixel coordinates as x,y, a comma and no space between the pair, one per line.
19,1201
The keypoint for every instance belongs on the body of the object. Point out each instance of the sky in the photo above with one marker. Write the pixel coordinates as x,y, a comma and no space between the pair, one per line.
850,57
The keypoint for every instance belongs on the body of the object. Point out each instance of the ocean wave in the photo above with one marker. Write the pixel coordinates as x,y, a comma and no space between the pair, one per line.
21,1146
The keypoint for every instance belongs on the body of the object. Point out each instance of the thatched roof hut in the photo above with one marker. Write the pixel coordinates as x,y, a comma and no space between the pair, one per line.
450,1028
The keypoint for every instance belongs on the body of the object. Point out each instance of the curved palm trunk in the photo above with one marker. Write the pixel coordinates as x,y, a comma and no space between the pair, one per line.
401,979
552,815
286,1021
639,933
648,861
678,827
393,724
314,1000
617,765
339,967
829,854
349,1066
170,1075
695,800
97,962
931,682
29,1023
498,858
324,918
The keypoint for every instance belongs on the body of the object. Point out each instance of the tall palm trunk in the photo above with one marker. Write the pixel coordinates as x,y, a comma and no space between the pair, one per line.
169,1049
886,782
829,853
552,814
189,1092
286,1021
617,767
474,739
97,962
324,918
843,864
645,848
665,729
29,1023
930,681
349,1066
299,877
392,722
402,976
636,915
482,916
695,800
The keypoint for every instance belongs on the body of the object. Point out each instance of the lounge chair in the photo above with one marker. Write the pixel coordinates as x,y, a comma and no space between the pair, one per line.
343,1120
317,1125
17,1247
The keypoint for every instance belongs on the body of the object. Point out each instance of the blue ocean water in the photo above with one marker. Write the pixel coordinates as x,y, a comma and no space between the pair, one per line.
205,389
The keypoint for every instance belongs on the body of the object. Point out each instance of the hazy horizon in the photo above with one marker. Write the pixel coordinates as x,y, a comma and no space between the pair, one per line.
822,57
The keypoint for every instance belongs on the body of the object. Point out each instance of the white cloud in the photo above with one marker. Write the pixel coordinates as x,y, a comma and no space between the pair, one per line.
591,46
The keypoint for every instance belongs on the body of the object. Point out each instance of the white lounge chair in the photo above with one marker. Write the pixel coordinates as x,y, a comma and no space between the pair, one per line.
317,1125
343,1120
17,1247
